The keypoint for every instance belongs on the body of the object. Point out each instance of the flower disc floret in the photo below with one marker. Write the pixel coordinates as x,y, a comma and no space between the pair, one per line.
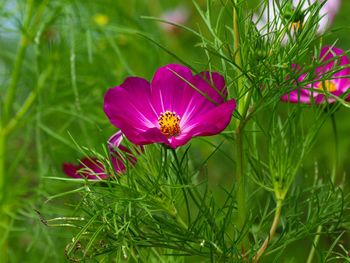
169,123
327,85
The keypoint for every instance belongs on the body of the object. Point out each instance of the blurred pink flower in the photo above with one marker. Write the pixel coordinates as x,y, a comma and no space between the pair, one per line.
172,109
92,168
327,14
337,84
178,15
271,18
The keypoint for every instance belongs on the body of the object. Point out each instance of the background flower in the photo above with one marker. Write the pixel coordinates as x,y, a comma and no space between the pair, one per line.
92,168
326,81
273,19
89,168
178,15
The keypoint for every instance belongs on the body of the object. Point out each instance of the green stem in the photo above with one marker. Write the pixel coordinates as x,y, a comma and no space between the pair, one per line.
336,148
6,111
242,109
178,218
24,41
3,216
180,179
13,122
2,164
196,197
20,114
238,58
314,244
10,94
273,228
241,181
333,178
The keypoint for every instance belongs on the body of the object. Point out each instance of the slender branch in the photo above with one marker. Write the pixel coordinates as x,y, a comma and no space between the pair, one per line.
7,107
333,178
240,179
194,196
272,230
178,173
13,122
2,163
23,43
238,58
11,91
243,107
336,149
10,94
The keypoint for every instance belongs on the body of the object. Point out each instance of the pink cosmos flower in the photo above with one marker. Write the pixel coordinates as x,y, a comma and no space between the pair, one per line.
327,80
92,168
327,14
174,107
271,18
178,15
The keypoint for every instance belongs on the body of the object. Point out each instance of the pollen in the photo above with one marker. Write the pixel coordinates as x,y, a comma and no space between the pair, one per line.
327,85
169,123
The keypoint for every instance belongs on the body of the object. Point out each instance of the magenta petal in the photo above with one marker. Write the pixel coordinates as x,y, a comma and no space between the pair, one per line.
153,136
89,168
115,148
129,108
168,85
207,91
137,108
214,121
333,56
211,123
114,144
298,96
212,84
118,164
115,140
343,84
70,170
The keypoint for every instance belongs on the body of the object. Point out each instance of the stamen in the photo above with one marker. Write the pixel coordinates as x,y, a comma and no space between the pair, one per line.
296,25
169,123
327,85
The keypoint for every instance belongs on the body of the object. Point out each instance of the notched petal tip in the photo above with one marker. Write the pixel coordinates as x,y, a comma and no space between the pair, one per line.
115,140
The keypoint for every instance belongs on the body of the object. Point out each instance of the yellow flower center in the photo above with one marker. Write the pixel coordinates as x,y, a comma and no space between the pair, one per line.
296,25
169,123
327,85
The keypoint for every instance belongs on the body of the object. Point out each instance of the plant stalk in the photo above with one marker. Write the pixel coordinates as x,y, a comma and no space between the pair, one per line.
243,105
181,181
336,149
10,94
241,181
7,107
333,178
238,58
2,163
3,216
272,230
22,46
